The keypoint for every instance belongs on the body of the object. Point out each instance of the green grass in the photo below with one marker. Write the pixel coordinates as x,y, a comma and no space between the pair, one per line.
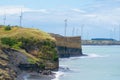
18,32
31,35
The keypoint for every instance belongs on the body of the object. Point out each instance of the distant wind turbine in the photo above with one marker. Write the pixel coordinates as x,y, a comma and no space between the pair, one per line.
65,43
82,27
21,16
73,31
4,18
65,27
119,32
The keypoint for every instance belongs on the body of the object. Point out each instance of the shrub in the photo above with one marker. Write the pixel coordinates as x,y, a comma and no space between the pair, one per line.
7,28
8,41
56,58
32,61
18,45
41,66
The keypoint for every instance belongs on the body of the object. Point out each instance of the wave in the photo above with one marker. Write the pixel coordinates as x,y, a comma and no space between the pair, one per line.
89,56
62,70
96,56
58,75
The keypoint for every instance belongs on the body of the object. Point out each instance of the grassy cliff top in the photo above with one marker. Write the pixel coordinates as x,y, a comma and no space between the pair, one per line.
18,32
31,42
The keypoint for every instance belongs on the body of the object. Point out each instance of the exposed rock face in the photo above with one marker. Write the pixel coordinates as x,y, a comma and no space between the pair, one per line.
69,52
15,57
68,46
9,63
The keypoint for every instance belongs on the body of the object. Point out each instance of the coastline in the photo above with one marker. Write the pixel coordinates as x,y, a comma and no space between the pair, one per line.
35,76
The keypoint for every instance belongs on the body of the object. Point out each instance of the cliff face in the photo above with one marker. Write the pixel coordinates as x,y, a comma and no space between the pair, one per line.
8,64
69,52
25,49
68,46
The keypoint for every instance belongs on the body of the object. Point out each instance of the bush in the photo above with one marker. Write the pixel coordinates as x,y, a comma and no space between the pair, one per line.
41,66
7,28
56,58
18,45
32,61
8,41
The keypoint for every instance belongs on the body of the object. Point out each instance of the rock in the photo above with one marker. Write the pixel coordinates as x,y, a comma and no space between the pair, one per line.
46,72
7,71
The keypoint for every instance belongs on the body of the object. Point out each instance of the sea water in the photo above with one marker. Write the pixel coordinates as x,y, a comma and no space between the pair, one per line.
102,63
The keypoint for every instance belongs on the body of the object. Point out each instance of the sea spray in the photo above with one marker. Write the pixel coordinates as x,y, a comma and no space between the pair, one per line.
58,75
92,55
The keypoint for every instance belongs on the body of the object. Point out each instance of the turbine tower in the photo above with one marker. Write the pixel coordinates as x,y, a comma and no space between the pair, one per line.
4,18
82,31
119,32
65,42
65,27
21,16
73,31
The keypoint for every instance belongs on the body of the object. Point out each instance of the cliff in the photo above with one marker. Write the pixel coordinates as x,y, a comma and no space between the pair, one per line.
25,49
68,46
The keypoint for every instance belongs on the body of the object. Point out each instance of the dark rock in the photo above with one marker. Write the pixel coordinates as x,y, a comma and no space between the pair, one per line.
46,72
69,52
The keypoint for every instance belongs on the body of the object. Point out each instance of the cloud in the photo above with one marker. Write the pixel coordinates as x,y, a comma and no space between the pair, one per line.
11,10
77,15
91,15
78,10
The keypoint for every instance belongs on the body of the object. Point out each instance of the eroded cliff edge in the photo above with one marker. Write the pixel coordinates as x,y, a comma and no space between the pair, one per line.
68,46
25,49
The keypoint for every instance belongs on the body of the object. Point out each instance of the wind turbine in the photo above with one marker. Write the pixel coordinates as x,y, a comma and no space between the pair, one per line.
21,17
73,31
4,18
82,27
65,27
119,32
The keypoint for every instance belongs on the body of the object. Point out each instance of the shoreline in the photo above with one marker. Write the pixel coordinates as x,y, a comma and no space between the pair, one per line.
36,76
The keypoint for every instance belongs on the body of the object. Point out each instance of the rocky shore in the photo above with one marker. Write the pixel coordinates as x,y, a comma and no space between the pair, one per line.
9,69
45,75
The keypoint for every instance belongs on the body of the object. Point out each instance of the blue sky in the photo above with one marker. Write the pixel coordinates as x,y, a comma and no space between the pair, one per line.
101,18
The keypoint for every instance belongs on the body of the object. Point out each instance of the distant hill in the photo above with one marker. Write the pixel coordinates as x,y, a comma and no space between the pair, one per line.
100,42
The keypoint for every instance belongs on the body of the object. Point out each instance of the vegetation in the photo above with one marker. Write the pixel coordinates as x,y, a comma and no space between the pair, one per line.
37,45
7,28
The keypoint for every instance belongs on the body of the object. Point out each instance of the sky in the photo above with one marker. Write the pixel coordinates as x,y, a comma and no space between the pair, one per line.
88,18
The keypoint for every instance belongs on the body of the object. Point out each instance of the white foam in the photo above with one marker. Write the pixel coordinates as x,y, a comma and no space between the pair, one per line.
95,56
58,75
26,77
89,56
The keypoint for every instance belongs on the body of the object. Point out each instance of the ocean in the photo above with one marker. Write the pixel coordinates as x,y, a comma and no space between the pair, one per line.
102,63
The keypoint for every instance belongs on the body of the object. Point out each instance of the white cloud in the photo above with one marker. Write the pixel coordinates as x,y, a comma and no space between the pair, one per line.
10,10
91,15
105,16
78,10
